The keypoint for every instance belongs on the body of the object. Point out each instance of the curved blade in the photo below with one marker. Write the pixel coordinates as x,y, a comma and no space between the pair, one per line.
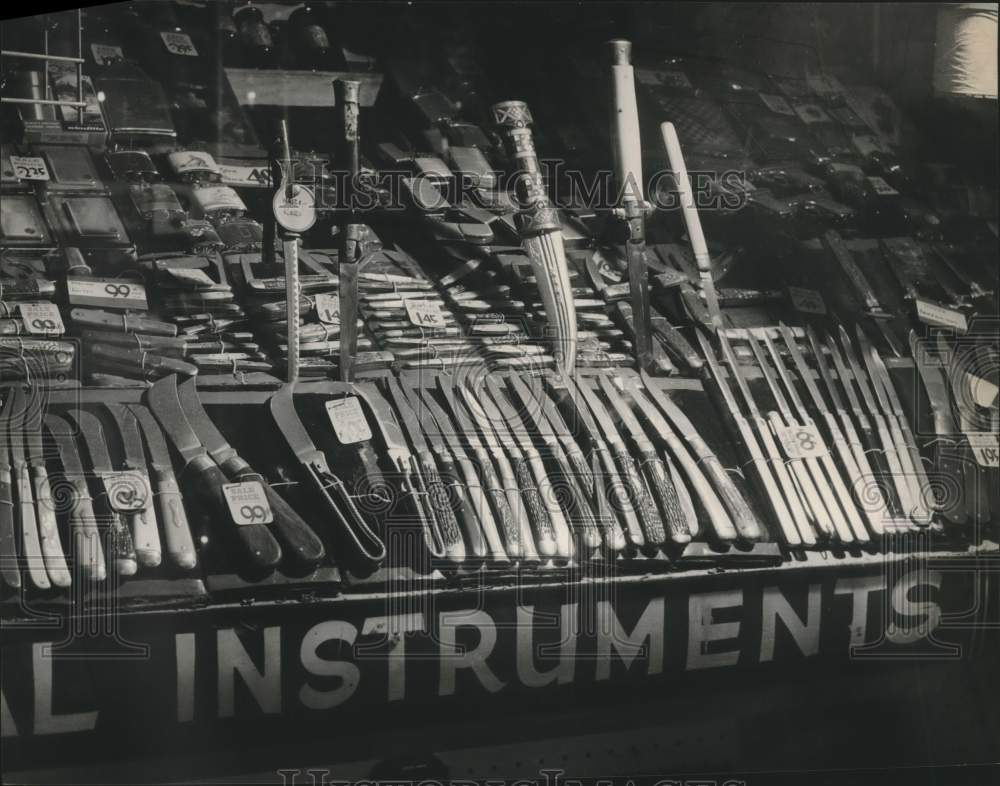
163,402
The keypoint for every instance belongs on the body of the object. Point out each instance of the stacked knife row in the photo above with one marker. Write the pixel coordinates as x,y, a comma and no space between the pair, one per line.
840,464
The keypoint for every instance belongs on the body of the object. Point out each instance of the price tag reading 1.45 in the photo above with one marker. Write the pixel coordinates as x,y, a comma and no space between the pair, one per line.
248,503
985,447
348,420
106,293
802,442
42,319
424,313
29,167
328,308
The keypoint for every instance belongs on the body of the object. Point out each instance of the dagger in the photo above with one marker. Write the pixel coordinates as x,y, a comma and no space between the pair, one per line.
324,482
791,518
120,544
145,534
48,528
24,502
448,537
10,570
167,494
255,540
84,534
541,231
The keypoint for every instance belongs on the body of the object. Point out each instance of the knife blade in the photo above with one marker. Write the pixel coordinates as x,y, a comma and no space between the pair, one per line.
297,539
167,495
145,533
84,533
24,501
652,467
255,540
10,570
120,545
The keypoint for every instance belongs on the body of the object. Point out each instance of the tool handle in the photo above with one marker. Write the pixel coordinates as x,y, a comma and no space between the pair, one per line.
896,471
48,529
613,509
688,205
845,494
581,468
146,535
176,530
501,506
480,501
948,464
440,503
640,498
121,549
539,513
30,540
795,512
625,129
87,547
465,513
10,571
581,511
677,344
662,485
415,488
920,479
256,540
839,501
523,543
866,486
727,509
549,498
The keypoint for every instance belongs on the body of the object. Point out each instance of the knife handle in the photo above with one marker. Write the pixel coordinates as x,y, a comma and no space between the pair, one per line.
176,530
549,498
581,469
947,464
729,513
48,529
121,549
906,503
444,516
590,536
30,541
612,516
536,509
413,486
84,532
341,506
466,514
847,496
662,484
297,539
256,540
803,474
875,454
480,502
10,570
795,512
146,535
921,483
867,488
642,502
825,501
525,540
501,507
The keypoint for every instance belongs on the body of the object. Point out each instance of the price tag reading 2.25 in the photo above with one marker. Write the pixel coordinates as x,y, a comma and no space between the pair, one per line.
328,308
42,319
424,313
248,503
29,167
802,442
348,420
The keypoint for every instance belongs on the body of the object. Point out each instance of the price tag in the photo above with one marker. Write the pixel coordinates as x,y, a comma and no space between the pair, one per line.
42,319
811,113
802,442
29,167
939,316
808,301
126,491
105,54
348,420
295,213
328,308
985,447
425,313
211,198
880,187
248,503
256,176
179,44
107,293
777,104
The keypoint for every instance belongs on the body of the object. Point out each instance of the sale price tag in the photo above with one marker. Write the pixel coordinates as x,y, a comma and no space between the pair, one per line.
348,420
939,316
29,167
425,313
126,491
802,442
985,447
808,301
248,503
105,54
106,293
42,319
328,308
179,44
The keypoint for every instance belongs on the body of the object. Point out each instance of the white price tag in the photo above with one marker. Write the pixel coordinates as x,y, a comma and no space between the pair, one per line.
348,420
802,442
985,447
126,491
777,104
808,301
29,167
295,213
179,44
105,54
42,319
811,113
939,316
257,176
248,503
211,198
107,293
879,186
425,313
328,308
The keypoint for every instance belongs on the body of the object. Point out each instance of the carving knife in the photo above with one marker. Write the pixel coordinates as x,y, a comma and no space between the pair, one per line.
297,539
10,570
176,529
255,540
24,501
48,528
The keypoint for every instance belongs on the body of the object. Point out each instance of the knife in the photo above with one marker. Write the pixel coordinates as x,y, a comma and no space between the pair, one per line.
255,540
141,360
10,570
907,505
906,445
574,484
777,487
554,539
120,545
653,469
48,528
473,487
297,539
718,487
176,529
24,507
440,501
121,322
338,503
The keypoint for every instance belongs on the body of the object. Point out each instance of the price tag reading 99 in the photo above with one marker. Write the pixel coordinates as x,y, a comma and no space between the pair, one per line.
248,503
802,442
42,319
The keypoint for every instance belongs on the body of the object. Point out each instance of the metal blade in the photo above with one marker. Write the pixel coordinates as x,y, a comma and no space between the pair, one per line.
93,437
772,380
128,429
216,445
843,374
406,414
8,407
65,436
779,364
880,372
618,403
33,406
600,415
734,370
803,368
487,419
163,401
873,373
856,371
533,409
156,445
933,377
392,434
506,412
282,407
14,426
465,425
